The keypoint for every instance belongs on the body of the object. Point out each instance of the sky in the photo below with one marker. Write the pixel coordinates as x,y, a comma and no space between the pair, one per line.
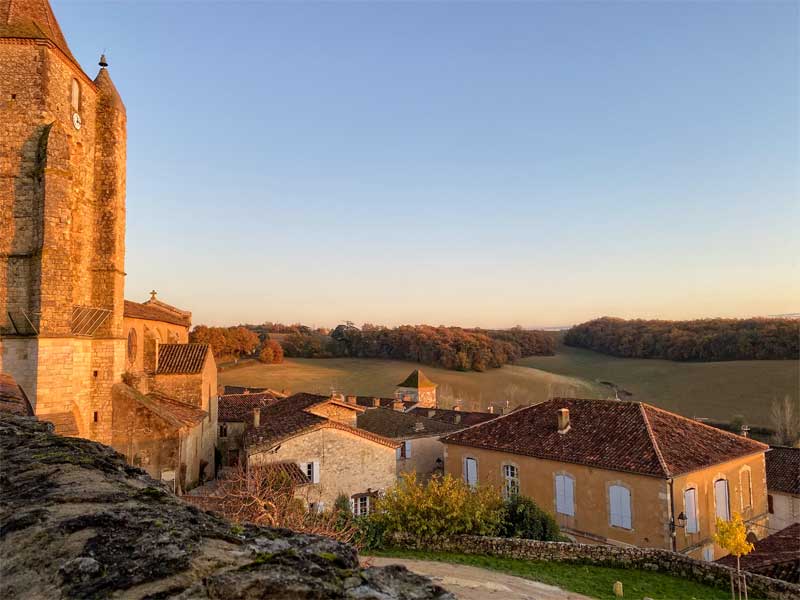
477,164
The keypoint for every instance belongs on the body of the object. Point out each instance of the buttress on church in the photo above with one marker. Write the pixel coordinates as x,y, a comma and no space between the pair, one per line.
94,364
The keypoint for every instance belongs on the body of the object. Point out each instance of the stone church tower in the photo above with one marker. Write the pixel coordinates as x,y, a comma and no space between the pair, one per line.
62,223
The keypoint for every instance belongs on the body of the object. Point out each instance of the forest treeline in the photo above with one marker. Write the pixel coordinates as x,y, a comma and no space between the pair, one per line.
700,340
446,347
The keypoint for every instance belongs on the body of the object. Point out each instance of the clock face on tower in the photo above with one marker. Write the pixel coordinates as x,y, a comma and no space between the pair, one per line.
76,120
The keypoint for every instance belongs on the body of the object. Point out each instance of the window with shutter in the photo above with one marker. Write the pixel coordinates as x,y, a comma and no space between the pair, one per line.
565,495
690,510
471,471
511,477
747,489
620,506
721,499
407,448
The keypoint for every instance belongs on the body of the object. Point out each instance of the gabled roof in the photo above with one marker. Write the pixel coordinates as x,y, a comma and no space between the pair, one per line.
181,358
776,556
32,19
155,310
238,408
463,418
177,413
610,434
417,379
783,469
290,417
401,425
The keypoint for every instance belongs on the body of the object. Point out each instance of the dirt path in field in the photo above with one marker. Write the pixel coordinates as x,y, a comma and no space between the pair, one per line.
474,583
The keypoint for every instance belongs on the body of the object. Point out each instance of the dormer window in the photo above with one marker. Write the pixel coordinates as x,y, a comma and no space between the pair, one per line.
75,95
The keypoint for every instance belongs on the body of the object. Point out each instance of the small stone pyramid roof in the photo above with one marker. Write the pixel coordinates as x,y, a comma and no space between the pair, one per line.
417,379
32,19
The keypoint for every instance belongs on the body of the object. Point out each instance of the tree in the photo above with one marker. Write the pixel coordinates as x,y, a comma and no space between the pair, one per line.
732,536
786,422
271,352
524,519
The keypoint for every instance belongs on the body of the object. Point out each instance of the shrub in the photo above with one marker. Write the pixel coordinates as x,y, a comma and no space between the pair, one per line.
444,506
522,518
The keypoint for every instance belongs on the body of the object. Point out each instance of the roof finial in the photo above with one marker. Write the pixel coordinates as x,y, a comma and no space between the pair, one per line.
153,294
103,62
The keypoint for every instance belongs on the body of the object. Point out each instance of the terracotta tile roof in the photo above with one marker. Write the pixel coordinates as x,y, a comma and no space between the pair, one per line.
783,469
610,434
155,310
776,556
417,379
464,418
13,398
173,411
291,469
290,417
238,408
181,358
369,402
401,425
32,19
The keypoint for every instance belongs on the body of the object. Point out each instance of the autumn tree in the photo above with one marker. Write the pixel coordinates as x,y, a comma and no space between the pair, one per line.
732,536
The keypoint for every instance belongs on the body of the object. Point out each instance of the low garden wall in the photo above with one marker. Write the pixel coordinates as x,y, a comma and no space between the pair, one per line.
649,559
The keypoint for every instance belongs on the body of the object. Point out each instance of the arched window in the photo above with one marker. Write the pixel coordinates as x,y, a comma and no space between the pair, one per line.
690,510
565,495
132,343
75,95
746,485
511,481
721,499
619,505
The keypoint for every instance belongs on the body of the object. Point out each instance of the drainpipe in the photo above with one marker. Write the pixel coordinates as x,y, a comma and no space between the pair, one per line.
672,532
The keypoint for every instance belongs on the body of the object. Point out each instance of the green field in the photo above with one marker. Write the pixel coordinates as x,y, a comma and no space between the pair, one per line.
716,390
373,377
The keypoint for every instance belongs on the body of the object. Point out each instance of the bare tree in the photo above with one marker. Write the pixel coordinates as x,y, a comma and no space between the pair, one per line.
785,421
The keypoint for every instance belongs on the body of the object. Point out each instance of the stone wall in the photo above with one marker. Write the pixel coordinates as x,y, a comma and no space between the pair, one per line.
648,559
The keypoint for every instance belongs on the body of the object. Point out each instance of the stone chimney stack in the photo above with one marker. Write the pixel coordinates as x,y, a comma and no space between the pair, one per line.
376,402
563,420
457,407
256,417
744,431
491,409
457,419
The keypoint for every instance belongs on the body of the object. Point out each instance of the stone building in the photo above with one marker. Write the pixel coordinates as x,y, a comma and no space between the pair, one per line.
235,416
783,486
417,388
618,472
93,364
319,434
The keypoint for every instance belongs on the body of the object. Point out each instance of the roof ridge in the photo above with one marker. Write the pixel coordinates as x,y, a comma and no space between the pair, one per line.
496,419
654,441
709,427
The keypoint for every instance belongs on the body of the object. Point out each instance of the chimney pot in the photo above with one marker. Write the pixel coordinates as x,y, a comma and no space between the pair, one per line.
563,420
457,407
376,402
351,400
256,417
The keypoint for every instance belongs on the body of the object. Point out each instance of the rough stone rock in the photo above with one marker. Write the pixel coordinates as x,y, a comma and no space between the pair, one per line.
76,521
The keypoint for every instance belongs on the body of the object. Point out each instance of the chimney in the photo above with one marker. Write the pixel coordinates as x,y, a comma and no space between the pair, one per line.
491,409
563,420
457,419
256,417
457,407
351,400
376,402
431,413
744,431
397,405
419,426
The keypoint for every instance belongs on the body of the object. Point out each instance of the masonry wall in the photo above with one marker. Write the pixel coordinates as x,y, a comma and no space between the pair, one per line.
786,511
349,464
166,333
232,444
424,452
650,509
342,414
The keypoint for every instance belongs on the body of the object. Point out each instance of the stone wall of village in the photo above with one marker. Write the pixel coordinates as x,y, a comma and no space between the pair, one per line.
649,559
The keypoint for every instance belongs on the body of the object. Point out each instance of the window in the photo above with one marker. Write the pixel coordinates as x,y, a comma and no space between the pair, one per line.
721,499
620,506
361,505
95,416
770,505
511,478
311,470
565,495
404,451
708,553
316,507
690,510
132,342
471,471
223,430
75,95
746,488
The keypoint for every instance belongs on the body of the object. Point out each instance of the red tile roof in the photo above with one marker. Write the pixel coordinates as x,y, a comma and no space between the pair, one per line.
609,434
177,413
369,402
32,19
181,358
238,408
417,379
290,417
465,418
401,425
155,310
776,556
783,469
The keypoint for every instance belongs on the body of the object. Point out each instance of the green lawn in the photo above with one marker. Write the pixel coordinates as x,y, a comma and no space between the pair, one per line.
596,582
718,390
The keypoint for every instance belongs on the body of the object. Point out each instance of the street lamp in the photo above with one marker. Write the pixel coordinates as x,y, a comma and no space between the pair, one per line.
680,523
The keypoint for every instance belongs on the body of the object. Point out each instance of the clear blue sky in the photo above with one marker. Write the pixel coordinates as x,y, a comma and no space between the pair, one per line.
458,163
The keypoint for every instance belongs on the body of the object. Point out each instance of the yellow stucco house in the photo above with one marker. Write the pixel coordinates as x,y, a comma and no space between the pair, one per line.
622,473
